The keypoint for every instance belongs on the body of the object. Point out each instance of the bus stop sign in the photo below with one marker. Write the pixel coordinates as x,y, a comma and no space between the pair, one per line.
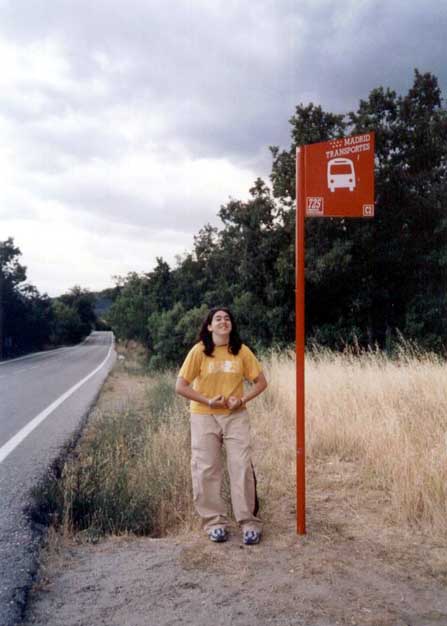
333,179
339,177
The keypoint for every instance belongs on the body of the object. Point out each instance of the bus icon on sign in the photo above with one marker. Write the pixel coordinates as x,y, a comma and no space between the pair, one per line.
340,174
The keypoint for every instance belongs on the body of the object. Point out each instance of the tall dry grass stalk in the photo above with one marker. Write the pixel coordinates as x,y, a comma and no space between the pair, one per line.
389,416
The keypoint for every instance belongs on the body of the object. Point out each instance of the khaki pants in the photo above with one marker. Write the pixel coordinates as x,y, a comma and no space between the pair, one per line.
208,434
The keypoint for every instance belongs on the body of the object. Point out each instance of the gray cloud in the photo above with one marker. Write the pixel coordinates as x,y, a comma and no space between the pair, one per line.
230,76
149,116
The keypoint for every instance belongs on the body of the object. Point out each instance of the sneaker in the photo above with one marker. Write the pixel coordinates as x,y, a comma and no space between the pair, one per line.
251,537
218,535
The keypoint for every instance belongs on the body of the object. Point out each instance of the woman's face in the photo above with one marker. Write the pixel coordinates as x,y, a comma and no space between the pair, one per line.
220,324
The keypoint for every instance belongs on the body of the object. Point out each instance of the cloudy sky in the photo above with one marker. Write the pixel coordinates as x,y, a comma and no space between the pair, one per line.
125,125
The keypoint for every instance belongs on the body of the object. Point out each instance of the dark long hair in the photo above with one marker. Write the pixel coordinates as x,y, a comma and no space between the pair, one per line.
234,342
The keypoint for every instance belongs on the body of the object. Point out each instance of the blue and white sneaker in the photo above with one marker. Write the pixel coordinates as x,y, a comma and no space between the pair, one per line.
218,535
251,537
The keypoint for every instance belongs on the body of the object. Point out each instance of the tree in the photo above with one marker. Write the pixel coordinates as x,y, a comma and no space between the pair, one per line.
67,327
355,269
12,273
83,303
26,316
364,278
128,314
408,236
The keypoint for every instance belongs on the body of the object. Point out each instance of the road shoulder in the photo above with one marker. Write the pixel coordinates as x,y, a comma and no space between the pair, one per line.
352,568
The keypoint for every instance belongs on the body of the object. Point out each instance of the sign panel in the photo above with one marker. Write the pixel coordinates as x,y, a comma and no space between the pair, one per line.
339,177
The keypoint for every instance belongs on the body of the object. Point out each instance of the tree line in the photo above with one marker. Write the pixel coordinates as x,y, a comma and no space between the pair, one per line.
368,281
30,321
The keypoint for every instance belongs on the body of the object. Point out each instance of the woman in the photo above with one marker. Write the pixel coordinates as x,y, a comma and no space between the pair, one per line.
212,377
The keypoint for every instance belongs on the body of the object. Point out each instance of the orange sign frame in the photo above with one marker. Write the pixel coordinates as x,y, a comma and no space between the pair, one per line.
339,177
333,179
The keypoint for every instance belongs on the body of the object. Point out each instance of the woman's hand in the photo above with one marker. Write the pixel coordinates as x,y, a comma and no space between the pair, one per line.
234,403
218,402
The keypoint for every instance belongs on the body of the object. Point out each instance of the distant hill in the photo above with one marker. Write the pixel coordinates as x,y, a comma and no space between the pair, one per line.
102,305
104,300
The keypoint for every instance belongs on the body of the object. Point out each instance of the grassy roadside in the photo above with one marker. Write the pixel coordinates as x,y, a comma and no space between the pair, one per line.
130,472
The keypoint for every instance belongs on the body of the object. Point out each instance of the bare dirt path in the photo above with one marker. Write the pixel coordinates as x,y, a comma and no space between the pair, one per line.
353,567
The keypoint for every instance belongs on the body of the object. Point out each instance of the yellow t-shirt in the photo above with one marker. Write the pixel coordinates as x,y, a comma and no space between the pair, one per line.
221,374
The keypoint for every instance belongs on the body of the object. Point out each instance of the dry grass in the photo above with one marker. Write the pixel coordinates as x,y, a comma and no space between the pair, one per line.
131,472
388,416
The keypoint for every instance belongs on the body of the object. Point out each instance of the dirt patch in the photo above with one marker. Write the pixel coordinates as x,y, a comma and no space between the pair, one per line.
352,568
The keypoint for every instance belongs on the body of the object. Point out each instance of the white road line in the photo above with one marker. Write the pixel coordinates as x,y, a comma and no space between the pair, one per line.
12,444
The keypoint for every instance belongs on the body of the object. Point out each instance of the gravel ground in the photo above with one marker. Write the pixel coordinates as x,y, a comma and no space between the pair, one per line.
353,567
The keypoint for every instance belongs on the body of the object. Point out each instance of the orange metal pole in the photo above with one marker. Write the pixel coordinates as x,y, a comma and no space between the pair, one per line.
300,344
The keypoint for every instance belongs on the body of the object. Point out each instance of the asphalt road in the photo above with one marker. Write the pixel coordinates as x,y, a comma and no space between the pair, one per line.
43,400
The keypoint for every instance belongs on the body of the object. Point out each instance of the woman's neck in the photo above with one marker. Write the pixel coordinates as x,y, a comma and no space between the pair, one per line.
220,341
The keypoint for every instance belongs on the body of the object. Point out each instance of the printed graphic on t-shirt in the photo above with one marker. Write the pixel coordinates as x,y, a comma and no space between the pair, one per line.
227,367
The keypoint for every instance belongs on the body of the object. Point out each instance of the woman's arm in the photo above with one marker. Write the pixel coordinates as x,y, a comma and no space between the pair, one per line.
258,386
183,388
